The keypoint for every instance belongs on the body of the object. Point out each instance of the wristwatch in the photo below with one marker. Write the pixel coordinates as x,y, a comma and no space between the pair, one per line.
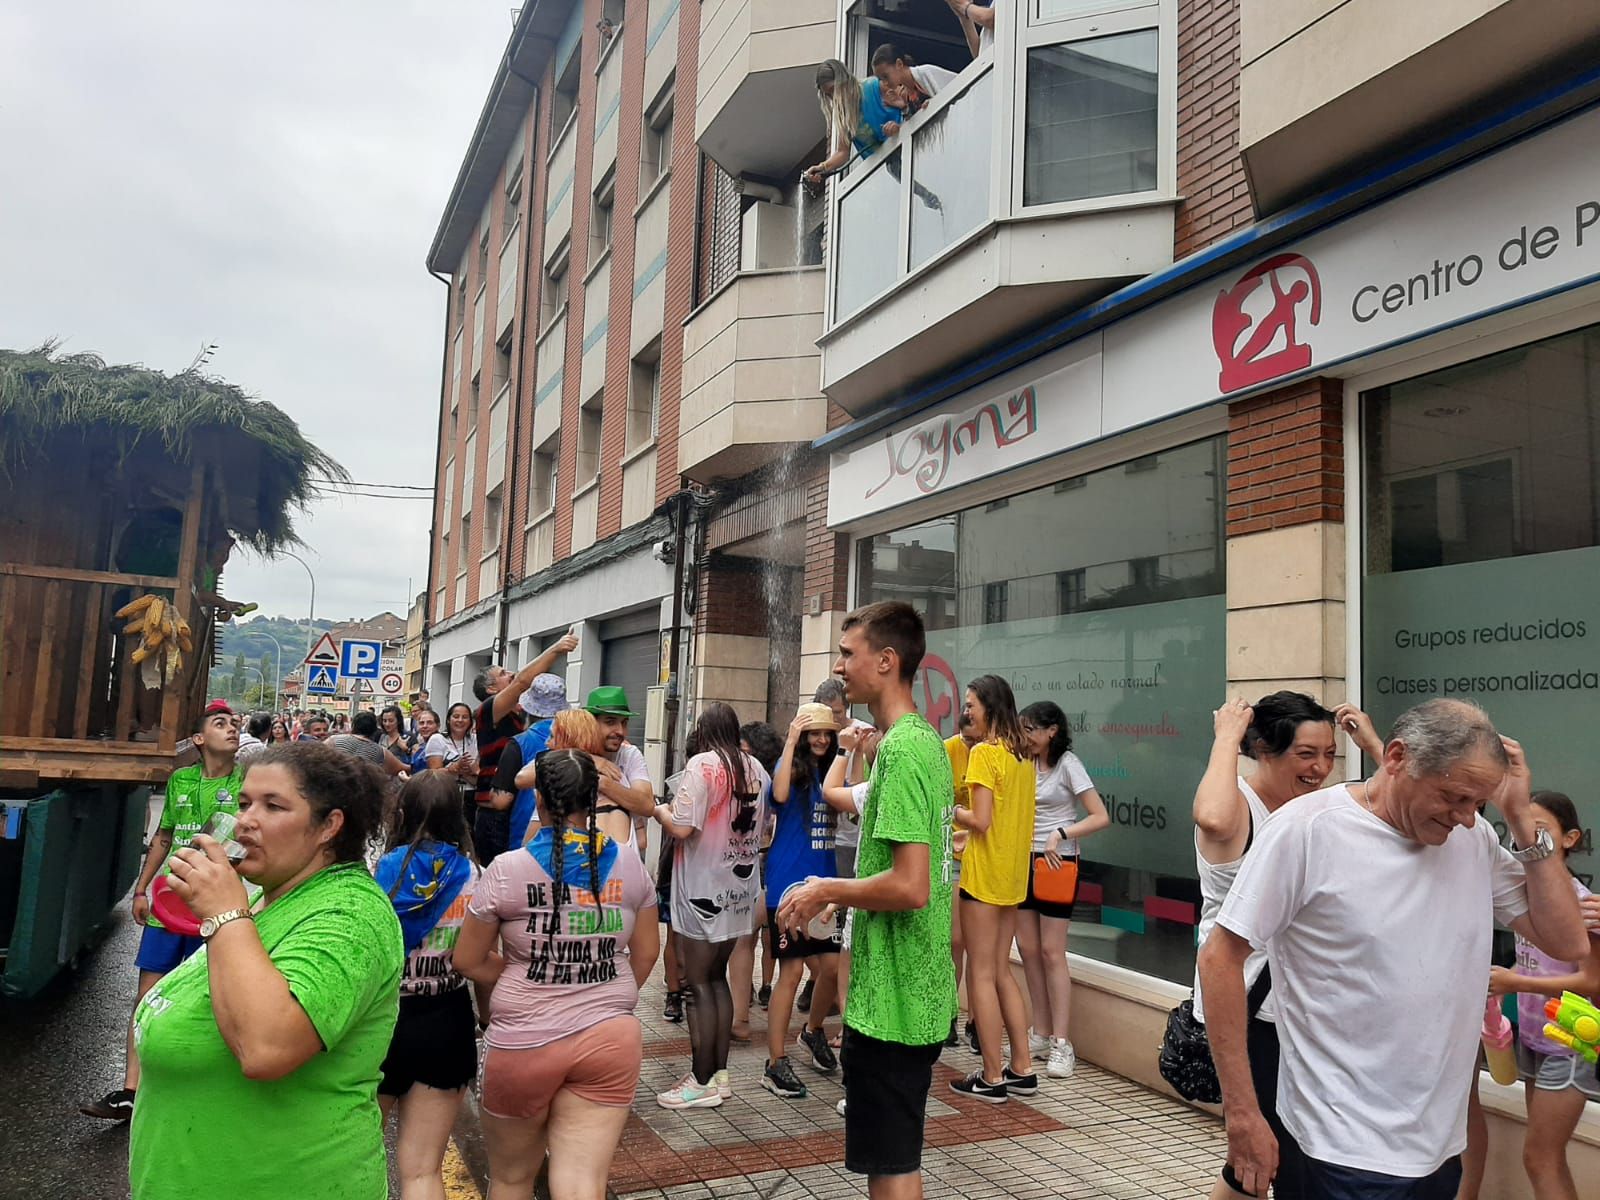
1543,847
210,925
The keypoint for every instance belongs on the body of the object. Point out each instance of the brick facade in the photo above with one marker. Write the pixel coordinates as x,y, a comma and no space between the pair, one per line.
827,578
1211,178
729,597
1286,458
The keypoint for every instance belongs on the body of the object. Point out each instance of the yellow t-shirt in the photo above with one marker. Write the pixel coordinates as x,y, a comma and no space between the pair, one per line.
956,748
994,868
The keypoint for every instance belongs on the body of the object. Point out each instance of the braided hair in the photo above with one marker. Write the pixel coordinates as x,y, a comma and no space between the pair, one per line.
568,783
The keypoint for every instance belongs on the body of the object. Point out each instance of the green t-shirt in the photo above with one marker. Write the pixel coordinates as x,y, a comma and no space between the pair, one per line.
902,981
201,1128
191,799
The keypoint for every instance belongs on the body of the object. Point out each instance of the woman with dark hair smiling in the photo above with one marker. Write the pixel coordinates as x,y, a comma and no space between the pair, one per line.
280,1027
392,732
716,817
994,880
1066,809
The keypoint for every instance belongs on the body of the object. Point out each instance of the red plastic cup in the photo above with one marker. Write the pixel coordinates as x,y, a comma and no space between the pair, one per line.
170,909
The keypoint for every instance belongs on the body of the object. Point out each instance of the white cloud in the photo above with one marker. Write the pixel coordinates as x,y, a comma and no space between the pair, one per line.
268,178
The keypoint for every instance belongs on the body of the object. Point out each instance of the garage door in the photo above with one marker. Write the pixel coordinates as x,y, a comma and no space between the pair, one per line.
633,663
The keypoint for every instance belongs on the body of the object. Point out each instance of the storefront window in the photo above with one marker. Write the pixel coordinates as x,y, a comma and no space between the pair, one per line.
1104,594
1483,551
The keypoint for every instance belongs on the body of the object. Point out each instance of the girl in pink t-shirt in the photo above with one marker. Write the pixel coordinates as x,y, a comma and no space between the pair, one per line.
563,1046
1559,1082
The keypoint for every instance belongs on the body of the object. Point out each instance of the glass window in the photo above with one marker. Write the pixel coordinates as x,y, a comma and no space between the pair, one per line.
869,236
1040,592
951,154
1092,127
1482,551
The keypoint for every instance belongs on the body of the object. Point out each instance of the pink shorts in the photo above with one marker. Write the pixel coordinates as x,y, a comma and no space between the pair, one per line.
599,1064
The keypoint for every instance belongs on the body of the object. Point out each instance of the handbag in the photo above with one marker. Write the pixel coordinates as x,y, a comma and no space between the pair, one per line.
1185,1059
1055,885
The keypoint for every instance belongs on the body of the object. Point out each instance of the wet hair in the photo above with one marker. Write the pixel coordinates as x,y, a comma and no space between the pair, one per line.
894,625
1437,734
260,725
889,53
567,783
829,690
1277,719
576,729
1042,714
766,744
717,732
427,810
472,720
333,781
1000,703
399,717
365,724
480,685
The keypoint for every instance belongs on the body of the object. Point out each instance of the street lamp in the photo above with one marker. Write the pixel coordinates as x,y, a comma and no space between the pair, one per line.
263,678
311,631
261,633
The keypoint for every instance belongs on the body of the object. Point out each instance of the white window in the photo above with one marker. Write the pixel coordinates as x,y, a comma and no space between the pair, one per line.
600,216
655,145
565,100
644,397
553,288
546,471
591,418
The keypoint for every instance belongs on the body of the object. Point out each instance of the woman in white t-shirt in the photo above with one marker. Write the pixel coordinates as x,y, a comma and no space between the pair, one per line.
916,83
1290,737
1066,809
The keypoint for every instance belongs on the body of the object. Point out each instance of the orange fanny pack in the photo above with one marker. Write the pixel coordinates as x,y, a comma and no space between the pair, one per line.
1055,885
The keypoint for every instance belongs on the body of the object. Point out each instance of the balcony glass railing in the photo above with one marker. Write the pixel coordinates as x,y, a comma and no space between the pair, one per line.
950,152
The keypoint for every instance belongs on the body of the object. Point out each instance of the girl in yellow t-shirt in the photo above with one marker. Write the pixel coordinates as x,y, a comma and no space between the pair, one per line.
994,880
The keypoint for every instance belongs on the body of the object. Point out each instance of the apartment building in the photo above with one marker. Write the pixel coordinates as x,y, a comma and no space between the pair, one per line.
1176,349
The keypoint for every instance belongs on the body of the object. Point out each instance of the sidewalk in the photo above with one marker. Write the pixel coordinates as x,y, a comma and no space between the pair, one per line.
1093,1135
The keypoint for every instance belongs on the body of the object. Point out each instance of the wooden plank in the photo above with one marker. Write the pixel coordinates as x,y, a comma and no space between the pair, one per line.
94,634
88,769
127,684
188,562
21,780
44,669
36,571
83,745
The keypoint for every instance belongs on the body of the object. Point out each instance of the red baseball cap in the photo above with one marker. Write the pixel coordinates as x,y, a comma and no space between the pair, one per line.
219,706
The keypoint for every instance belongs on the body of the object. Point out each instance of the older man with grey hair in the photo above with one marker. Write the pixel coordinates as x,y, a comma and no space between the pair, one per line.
1376,902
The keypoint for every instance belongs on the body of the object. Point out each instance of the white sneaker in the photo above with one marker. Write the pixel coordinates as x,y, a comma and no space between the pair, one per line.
1062,1059
724,1083
839,1108
1038,1044
690,1094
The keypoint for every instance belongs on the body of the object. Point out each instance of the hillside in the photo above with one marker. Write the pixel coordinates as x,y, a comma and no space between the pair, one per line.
252,639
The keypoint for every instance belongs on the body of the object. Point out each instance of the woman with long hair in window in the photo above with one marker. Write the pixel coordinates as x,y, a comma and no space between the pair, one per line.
994,880
574,916
856,117
429,876
716,818
1066,809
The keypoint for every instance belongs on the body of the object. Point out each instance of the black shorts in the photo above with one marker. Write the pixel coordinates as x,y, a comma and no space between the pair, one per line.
435,1044
785,946
1261,1044
1045,908
886,1103
1326,1181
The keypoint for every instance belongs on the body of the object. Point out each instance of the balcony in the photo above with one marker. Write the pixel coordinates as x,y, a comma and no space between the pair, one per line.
607,103
1038,180
1327,84
756,110
750,373
489,574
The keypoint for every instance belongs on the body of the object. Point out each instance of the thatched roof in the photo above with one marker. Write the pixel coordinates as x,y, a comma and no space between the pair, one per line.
53,405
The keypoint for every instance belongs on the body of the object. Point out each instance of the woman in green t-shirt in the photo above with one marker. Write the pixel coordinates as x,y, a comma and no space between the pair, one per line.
994,880
261,1053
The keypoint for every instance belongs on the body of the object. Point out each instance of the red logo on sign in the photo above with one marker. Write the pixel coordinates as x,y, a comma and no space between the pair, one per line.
1253,351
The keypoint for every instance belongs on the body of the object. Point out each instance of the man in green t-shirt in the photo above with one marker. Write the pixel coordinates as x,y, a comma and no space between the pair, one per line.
902,983
193,794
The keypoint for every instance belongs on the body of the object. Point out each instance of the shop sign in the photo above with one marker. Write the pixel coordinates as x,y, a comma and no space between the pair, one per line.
1504,230
1024,416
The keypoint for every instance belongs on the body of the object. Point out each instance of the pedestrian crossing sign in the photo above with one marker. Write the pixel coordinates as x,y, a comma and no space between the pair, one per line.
321,680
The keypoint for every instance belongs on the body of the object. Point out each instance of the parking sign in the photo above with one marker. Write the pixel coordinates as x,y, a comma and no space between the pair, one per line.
359,659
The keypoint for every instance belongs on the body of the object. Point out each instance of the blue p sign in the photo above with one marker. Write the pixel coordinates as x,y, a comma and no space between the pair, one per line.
360,660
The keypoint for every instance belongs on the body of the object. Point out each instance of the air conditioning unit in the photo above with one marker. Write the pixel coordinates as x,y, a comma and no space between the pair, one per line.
769,240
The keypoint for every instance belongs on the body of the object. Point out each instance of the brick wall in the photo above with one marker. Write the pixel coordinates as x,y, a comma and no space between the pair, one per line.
1286,458
524,375
1210,172
729,597
827,576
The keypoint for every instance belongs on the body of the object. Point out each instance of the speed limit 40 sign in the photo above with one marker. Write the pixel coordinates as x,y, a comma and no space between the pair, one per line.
391,684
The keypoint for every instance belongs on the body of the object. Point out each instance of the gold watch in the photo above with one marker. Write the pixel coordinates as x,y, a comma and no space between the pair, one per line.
210,925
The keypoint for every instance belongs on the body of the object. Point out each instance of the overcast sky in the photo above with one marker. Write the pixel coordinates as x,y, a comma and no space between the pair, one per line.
267,177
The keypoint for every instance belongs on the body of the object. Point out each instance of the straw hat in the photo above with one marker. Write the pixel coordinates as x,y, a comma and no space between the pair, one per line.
818,716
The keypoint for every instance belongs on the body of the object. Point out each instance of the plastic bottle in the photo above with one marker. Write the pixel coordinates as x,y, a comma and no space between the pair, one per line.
1497,1048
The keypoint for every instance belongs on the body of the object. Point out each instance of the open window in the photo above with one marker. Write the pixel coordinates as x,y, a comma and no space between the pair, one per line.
644,397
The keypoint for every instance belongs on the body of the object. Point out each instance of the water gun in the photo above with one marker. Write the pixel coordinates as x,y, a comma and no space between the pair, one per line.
1574,1023
1497,1048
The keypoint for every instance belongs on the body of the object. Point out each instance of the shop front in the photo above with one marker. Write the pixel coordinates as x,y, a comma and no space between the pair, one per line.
1363,462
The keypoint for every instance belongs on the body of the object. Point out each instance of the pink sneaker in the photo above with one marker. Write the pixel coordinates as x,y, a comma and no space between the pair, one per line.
690,1094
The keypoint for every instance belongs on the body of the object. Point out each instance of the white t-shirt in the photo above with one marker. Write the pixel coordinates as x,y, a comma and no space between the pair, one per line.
847,830
439,746
1055,802
1380,960
714,883
931,79
630,761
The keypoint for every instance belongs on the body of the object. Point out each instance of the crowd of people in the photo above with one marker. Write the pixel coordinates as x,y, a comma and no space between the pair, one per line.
393,911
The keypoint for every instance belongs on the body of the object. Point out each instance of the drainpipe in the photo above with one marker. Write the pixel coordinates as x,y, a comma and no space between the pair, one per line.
680,522
438,444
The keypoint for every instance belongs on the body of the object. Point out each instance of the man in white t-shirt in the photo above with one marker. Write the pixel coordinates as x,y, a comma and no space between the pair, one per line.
624,778
1375,902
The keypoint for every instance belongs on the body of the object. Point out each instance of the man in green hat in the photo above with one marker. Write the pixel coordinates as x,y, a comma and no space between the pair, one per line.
625,783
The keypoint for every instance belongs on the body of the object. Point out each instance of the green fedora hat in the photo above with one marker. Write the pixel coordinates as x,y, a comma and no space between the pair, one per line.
609,702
